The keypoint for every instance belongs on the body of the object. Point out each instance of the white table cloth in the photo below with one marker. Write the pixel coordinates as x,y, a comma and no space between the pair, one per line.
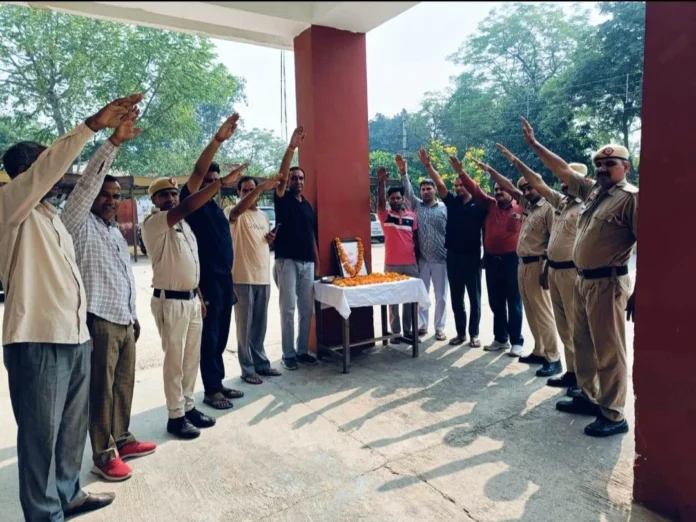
411,290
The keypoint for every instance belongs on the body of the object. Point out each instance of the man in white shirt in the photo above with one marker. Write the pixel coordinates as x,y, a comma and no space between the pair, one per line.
251,273
176,303
45,336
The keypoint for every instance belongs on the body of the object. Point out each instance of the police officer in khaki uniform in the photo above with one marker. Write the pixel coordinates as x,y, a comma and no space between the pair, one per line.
177,303
607,230
531,249
560,267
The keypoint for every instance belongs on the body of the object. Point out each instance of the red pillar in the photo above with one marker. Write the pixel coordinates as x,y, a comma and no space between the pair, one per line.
664,372
331,90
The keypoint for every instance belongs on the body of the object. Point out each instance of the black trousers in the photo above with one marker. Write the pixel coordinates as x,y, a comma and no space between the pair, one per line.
464,274
218,296
504,297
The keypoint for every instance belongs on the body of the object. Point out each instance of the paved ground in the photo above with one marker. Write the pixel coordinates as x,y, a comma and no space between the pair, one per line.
458,434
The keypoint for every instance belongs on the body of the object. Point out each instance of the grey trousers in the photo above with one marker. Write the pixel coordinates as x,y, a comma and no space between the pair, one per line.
49,390
295,280
251,316
437,272
394,322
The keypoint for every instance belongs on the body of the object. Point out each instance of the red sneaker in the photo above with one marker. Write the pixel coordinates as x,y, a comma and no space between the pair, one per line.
113,471
136,449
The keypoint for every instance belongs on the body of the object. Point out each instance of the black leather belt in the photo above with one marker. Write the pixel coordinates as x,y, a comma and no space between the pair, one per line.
606,271
561,265
531,259
173,294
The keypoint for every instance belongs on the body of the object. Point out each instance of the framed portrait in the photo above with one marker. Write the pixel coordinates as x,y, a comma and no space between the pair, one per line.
350,247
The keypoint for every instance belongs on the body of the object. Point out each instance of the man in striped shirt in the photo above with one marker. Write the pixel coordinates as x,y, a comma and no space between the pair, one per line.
400,227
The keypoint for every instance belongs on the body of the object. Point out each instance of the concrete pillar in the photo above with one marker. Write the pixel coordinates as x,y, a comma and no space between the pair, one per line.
664,372
331,90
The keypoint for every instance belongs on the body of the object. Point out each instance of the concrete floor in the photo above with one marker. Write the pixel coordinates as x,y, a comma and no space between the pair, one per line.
457,434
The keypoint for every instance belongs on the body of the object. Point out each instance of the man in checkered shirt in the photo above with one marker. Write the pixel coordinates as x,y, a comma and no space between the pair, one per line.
104,261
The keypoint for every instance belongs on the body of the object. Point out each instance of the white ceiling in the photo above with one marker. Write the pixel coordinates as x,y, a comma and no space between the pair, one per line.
272,24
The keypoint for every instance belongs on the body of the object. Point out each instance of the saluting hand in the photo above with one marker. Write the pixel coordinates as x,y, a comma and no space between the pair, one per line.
112,114
456,165
125,131
400,163
227,129
233,176
272,182
481,165
528,132
298,136
505,152
423,157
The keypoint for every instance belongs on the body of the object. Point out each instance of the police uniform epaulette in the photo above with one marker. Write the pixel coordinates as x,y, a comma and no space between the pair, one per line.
631,189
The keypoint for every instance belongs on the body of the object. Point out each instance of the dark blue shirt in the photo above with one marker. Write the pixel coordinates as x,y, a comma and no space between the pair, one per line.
298,223
212,230
464,226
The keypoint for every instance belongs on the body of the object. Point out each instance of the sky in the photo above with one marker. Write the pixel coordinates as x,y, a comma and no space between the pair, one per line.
406,57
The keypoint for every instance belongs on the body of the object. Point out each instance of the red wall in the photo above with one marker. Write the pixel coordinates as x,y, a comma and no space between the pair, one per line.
331,90
664,372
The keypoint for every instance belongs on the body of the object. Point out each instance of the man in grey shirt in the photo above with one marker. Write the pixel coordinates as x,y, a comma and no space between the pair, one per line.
432,262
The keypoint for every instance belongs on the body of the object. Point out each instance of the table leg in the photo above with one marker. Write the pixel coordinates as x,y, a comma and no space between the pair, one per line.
346,345
385,330
414,315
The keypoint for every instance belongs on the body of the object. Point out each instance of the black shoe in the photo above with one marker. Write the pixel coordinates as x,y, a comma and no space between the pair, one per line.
603,427
182,428
574,391
200,420
564,381
91,502
289,364
578,405
549,368
306,358
532,359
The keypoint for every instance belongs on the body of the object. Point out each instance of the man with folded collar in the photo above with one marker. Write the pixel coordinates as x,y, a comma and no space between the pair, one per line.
176,304
607,230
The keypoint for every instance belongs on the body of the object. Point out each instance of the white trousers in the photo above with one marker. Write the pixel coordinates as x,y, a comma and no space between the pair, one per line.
437,272
180,326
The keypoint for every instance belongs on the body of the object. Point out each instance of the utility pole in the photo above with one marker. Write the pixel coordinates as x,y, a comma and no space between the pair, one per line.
626,89
403,131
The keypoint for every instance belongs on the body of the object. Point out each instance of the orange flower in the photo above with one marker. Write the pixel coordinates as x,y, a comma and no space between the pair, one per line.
351,270
371,279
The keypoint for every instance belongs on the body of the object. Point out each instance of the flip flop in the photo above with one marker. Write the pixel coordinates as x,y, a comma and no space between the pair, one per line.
475,342
232,394
218,404
252,379
271,372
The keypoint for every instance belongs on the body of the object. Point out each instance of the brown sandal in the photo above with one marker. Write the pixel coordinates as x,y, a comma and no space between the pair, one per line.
252,379
232,394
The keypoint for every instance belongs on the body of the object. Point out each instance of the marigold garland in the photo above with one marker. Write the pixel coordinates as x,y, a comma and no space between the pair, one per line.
351,270
371,279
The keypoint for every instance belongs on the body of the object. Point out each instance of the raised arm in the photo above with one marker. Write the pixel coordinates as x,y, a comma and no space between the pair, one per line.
201,197
19,197
296,140
248,201
224,133
87,188
381,189
470,185
504,183
554,163
434,174
534,179
409,196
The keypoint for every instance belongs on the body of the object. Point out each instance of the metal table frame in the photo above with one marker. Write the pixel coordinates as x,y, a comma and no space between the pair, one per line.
347,345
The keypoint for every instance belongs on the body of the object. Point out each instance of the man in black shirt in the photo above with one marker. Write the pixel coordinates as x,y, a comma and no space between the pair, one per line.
296,258
465,221
212,231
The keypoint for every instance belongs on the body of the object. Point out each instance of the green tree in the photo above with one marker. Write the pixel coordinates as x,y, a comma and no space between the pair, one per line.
380,158
260,147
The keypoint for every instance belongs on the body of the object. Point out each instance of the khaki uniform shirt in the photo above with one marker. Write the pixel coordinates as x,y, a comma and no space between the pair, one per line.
607,223
45,298
536,228
173,253
564,226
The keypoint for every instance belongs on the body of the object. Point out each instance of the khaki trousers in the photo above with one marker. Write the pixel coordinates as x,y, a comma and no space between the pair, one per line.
538,308
562,288
180,326
599,335
111,387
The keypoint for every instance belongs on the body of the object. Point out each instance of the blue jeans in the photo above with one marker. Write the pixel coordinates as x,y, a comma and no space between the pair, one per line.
504,297
295,281
49,390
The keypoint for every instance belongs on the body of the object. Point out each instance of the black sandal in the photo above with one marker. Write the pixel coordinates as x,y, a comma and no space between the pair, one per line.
232,394
271,372
252,379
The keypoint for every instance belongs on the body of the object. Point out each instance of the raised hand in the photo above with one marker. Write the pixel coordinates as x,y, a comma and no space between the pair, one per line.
505,152
456,165
272,182
227,129
111,115
382,175
528,132
125,131
233,176
423,157
400,163
298,136
481,165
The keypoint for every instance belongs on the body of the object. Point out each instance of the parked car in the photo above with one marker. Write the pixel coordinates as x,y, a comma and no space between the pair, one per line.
376,231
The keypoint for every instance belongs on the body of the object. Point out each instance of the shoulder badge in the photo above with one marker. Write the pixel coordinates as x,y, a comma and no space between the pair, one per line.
631,189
